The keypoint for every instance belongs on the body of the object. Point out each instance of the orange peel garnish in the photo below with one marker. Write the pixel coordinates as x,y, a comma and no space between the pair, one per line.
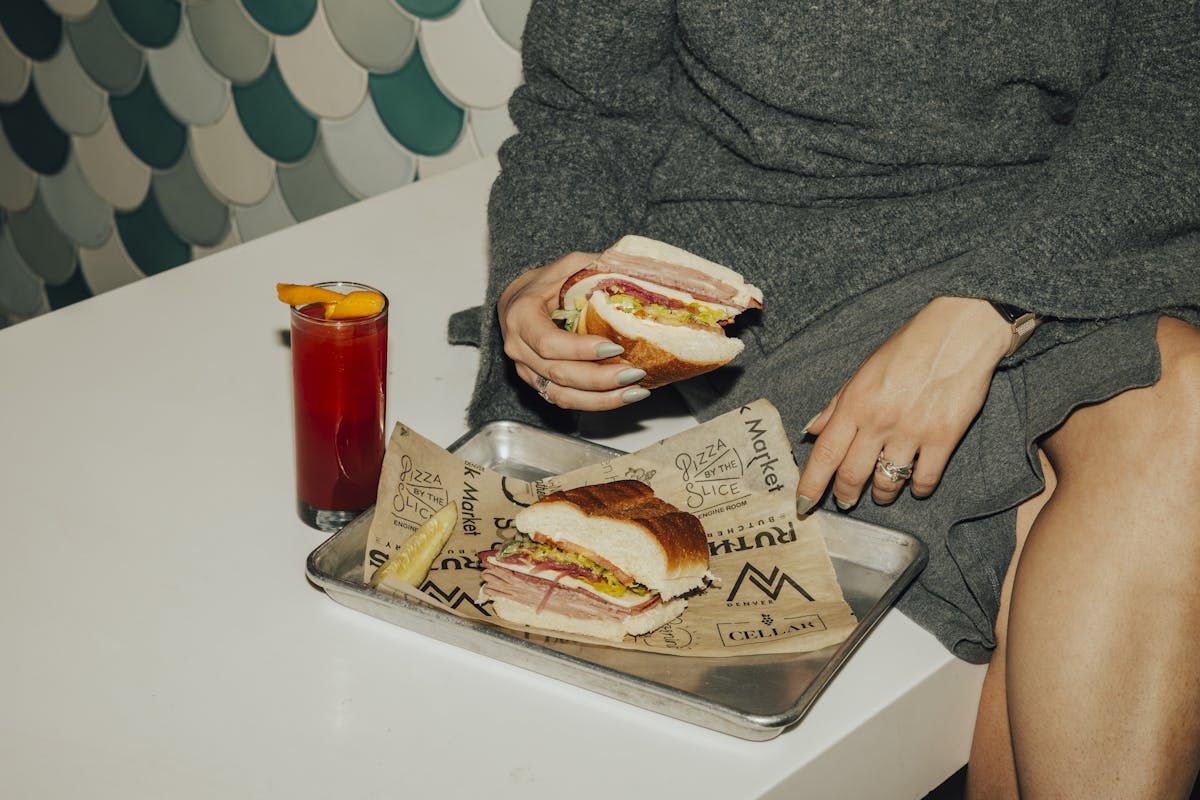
353,305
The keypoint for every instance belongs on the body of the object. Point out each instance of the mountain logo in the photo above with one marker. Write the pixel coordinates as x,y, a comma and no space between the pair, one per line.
771,585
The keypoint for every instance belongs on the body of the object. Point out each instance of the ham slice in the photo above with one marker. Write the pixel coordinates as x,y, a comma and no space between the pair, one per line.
699,285
547,595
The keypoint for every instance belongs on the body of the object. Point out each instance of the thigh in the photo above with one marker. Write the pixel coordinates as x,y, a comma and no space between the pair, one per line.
1093,446
1143,437
1120,534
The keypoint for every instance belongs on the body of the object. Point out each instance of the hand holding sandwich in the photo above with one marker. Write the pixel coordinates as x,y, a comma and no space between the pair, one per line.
661,309
540,349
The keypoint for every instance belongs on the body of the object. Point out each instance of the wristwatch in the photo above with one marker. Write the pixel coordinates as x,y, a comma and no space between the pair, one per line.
1021,322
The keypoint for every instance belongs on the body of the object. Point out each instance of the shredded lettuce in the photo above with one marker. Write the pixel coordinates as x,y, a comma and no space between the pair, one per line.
569,318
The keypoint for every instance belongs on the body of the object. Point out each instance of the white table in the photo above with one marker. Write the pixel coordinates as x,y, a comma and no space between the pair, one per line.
159,637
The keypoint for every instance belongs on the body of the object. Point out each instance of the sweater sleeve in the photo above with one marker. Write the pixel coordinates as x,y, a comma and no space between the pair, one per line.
591,122
1113,225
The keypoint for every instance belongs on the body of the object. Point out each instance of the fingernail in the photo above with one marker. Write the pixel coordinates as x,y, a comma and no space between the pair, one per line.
632,375
608,350
803,505
808,424
844,506
635,394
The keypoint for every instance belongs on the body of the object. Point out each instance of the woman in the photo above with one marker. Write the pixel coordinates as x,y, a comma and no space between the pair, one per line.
885,172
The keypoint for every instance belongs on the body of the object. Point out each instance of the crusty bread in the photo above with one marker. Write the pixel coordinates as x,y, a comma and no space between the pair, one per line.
667,353
625,524
609,630
644,247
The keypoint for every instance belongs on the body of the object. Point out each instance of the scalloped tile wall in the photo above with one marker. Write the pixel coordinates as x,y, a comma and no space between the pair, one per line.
138,135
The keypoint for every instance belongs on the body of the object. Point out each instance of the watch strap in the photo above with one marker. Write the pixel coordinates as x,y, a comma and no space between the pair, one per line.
1021,322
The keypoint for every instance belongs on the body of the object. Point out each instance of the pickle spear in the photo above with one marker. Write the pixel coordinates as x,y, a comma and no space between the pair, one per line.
410,564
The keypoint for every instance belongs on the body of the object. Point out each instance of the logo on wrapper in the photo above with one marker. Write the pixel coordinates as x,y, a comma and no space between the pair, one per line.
455,598
752,583
736,634
420,494
711,475
671,636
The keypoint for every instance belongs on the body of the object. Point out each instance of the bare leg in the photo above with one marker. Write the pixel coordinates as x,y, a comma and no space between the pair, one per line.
992,774
1101,665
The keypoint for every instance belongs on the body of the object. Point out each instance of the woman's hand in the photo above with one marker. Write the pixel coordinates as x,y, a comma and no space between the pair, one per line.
910,402
560,365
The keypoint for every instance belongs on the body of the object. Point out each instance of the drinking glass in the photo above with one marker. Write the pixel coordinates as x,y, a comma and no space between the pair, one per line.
339,376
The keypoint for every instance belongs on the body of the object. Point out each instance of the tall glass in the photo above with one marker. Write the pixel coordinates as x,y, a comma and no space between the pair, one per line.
339,375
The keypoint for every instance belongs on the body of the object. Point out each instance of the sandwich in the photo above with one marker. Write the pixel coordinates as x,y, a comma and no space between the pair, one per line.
602,561
667,307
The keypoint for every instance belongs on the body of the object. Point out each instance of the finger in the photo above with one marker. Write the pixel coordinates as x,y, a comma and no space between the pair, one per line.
588,375
927,473
547,341
827,453
818,423
580,399
856,469
885,489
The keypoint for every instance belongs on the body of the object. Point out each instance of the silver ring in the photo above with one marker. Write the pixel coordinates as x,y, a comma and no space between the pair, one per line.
892,471
540,385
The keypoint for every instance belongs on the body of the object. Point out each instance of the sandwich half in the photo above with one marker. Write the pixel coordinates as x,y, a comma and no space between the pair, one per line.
667,307
602,561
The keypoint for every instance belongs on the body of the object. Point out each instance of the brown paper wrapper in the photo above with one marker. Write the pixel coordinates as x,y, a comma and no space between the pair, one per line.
775,589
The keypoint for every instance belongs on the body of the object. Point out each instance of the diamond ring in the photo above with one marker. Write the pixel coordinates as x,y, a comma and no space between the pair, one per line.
892,471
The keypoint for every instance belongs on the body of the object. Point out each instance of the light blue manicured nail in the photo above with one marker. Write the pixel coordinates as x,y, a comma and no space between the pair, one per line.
803,505
807,425
629,376
843,505
608,350
635,394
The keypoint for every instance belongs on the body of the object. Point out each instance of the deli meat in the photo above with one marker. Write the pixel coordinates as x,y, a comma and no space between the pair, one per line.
546,595
698,284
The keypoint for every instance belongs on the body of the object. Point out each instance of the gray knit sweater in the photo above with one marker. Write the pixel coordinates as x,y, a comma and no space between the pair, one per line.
1047,150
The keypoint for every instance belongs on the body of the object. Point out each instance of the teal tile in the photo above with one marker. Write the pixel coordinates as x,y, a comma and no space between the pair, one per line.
69,293
149,240
275,122
32,134
32,27
149,130
282,17
150,23
311,188
188,206
46,249
229,39
429,9
414,110
105,52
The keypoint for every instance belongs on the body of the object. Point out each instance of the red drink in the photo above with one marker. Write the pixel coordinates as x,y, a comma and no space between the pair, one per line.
339,373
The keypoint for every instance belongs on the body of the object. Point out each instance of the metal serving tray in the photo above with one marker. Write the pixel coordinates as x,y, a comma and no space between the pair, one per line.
751,697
